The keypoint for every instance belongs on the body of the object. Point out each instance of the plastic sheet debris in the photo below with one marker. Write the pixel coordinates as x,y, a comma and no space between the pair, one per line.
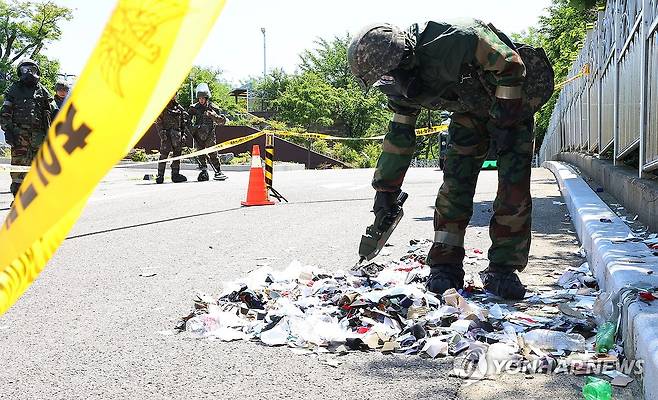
618,378
597,389
386,308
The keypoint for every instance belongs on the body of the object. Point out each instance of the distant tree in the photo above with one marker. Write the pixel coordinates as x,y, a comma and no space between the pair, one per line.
219,89
329,61
26,28
308,102
272,87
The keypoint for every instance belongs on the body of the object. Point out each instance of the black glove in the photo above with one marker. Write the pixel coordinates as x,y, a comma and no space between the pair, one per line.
506,112
385,200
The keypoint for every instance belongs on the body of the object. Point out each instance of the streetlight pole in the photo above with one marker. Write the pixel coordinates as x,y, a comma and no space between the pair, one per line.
264,54
262,100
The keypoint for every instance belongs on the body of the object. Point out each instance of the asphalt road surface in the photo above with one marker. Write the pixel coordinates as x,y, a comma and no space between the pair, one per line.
92,327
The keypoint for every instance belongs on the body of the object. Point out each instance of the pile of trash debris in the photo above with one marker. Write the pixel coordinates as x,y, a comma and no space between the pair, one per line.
385,308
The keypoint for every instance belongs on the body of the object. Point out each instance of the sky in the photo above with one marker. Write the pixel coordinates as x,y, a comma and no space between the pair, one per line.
235,43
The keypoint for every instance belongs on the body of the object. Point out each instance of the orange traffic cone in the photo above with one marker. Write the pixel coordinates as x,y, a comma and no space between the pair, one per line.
256,192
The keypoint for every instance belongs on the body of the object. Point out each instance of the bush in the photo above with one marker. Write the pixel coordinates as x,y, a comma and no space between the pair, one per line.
138,155
370,153
240,159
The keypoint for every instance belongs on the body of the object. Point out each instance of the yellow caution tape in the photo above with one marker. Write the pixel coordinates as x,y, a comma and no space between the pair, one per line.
313,135
584,71
143,55
241,140
220,146
432,130
13,168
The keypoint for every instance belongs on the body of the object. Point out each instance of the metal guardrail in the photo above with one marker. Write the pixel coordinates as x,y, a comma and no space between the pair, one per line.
615,106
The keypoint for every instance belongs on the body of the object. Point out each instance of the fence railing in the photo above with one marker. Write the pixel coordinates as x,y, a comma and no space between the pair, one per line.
615,106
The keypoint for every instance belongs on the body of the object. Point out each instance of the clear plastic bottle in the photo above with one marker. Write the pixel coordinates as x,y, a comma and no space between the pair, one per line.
605,337
555,340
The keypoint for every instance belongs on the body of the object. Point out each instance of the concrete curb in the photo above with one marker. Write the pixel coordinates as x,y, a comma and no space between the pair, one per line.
615,265
622,182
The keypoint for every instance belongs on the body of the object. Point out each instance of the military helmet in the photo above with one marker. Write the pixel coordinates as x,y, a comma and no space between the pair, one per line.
376,50
62,85
27,63
202,90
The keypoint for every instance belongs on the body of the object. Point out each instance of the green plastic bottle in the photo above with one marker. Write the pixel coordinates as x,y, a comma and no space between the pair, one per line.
597,389
605,337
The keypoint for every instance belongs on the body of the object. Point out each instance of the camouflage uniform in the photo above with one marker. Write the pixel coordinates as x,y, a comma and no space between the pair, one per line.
459,67
204,119
59,101
170,125
25,116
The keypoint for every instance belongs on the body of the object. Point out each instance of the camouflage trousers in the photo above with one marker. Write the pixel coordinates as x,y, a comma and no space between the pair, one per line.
170,140
470,138
509,227
203,142
23,150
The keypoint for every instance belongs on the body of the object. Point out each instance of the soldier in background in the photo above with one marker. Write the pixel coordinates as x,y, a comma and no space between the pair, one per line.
25,116
204,118
493,87
170,125
61,92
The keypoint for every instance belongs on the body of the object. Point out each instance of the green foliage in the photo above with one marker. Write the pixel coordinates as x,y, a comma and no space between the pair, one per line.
328,60
241,159
272,87
219,90
370,153
138,155
308,101
26,28
324,96
5,151
49,70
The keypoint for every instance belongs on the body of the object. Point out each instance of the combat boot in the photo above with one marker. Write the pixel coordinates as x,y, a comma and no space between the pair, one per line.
219,176
503,281
159,179
203,176
445,276
178,178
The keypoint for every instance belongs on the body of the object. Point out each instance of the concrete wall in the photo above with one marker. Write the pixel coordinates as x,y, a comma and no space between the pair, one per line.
284,150
639,196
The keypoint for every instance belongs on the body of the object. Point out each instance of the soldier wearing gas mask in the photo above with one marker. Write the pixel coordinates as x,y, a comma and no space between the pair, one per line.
492,87
171,124
204,118
25,116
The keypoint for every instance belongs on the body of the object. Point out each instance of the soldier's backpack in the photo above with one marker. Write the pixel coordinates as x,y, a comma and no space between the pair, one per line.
539,81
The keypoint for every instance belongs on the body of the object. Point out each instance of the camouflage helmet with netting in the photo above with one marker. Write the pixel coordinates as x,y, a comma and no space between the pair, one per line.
376,50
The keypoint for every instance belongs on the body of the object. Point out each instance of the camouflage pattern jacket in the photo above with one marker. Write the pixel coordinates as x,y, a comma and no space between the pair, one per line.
204,118
455,67
173,117
27,108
